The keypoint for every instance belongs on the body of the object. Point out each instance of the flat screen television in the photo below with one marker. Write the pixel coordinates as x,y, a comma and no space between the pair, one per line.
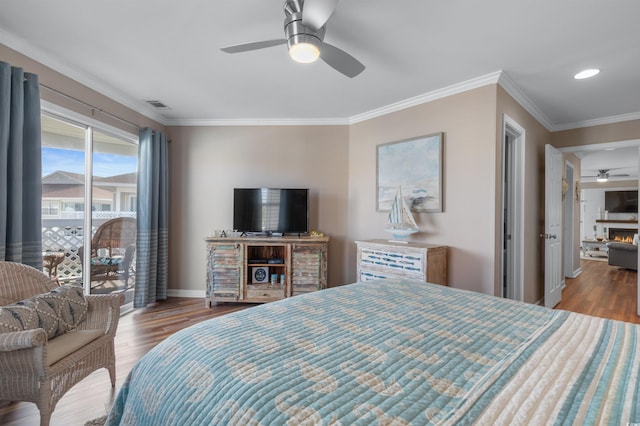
271,210
621,201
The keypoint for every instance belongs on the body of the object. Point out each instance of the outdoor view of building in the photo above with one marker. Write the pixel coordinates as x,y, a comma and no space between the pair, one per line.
113,192
63,195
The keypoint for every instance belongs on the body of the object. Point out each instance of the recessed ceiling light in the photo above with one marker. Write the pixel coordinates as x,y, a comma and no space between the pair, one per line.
586,74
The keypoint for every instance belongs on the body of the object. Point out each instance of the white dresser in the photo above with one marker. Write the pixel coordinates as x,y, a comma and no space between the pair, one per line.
385,259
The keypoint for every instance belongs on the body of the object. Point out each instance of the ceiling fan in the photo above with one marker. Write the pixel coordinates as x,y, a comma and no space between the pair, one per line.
304,30
603,175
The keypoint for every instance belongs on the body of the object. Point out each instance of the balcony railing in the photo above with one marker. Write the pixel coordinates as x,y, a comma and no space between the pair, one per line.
67,236
65,239
94,215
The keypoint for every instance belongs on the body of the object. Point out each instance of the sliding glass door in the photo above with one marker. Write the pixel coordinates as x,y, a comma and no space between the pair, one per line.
84,166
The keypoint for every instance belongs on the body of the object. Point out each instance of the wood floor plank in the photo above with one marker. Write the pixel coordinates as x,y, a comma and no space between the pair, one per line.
138,332
601,290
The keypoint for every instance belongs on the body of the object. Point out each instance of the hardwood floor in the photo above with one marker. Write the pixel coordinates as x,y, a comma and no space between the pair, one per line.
601,290
138,332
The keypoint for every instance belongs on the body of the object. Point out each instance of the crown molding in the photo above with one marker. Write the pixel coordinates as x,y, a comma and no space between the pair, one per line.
516,93
500,77
630,143
454,89
259,122
44,58
597,121
398,106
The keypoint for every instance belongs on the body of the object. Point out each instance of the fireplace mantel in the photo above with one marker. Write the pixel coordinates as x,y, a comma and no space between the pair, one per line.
617,221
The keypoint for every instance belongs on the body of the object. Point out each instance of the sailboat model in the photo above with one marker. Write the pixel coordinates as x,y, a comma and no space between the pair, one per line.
401,221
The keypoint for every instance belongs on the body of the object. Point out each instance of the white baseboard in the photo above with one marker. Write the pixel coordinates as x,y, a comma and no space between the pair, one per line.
195,294
575,273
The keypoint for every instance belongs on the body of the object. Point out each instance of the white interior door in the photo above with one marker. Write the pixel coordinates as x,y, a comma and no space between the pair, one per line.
552,227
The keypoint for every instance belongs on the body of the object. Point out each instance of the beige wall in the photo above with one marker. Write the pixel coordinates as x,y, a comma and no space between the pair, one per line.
338,164
622,131
467,223
613,184
536,136
206,163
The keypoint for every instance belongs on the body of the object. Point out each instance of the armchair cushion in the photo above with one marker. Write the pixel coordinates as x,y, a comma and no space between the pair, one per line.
106,261
57,312
68,343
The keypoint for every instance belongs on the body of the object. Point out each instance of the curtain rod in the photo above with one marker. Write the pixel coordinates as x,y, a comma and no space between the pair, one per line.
93,108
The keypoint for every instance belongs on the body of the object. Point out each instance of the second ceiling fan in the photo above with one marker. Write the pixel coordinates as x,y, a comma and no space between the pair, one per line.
603,175
304,30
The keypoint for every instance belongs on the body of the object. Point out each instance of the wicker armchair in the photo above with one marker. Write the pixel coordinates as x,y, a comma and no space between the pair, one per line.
36,369
112,249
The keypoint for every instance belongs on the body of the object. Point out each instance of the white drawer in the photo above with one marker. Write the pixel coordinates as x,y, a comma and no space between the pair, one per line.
410,264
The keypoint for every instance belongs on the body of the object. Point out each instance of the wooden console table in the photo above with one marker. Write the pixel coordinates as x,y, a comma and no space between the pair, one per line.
240,269
595,248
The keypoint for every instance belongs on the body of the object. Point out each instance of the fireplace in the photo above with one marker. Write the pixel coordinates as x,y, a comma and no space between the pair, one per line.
623,235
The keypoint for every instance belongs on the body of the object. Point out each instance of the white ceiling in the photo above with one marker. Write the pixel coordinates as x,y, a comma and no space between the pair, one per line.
414,50
621,163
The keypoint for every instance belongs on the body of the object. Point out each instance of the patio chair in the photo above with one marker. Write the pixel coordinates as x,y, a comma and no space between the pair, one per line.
51,337
113,248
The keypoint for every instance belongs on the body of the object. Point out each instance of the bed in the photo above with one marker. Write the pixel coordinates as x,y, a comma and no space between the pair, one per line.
389,352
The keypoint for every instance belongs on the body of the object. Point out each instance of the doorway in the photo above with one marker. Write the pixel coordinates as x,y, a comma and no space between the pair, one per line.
89,179
585,231
512,241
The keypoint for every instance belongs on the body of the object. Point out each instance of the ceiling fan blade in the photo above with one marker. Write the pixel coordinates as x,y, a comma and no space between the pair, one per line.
315,13
253,46
340,60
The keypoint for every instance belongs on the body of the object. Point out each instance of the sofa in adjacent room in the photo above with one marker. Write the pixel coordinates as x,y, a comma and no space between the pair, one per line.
624,255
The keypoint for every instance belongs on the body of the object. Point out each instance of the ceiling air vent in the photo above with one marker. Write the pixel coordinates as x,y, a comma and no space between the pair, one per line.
157,104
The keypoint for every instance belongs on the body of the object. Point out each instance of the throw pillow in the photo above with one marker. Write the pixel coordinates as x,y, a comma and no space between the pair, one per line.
16,317
47,318
106,261
57,312
65,304
28,316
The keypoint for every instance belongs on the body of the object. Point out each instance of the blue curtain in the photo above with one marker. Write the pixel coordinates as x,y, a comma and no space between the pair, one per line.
20,167
152,241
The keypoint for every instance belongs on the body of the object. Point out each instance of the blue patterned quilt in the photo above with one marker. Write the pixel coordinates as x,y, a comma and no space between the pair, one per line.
389,352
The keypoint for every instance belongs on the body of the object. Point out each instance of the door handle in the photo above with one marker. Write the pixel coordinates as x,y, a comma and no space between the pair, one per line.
548,236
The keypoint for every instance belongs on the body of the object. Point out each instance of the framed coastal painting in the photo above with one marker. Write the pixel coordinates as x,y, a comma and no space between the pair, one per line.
415,166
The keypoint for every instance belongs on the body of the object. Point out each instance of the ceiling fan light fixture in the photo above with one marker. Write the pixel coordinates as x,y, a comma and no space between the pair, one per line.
586,74
304,53
602,177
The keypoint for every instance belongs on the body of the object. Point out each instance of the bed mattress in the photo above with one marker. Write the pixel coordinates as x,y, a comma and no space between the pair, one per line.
389,352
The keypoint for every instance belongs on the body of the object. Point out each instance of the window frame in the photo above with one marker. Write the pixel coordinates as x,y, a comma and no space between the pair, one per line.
90,125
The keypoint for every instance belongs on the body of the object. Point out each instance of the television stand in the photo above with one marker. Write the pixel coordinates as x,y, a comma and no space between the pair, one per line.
240,269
